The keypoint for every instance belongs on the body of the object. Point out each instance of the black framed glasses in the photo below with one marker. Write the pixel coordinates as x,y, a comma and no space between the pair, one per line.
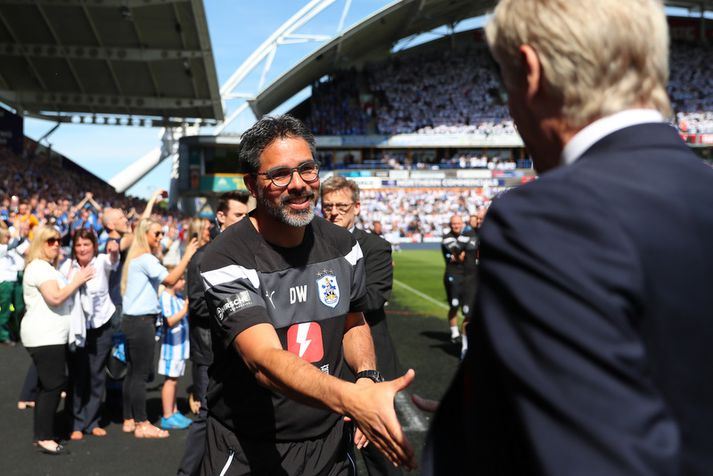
340,207
282,176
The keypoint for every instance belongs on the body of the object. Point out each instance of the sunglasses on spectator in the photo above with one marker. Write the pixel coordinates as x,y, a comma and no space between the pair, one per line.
157,233
52,241
282,176
340,207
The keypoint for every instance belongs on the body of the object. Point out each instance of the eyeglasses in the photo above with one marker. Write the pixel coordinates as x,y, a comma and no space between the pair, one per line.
341,207
53,241
282,176
157,233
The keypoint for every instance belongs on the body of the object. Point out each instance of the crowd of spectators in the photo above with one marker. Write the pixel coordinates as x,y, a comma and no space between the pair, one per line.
691,87
418,214
391,160
38,188
457,91
440,92
335,107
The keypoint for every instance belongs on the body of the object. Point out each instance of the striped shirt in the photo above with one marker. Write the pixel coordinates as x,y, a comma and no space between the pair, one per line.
174,340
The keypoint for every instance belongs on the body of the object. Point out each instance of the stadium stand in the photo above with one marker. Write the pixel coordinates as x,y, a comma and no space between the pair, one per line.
457,92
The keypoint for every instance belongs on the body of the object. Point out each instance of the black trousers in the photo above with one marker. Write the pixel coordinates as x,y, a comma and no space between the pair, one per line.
195,442
228,455
88,378
51,363
140,344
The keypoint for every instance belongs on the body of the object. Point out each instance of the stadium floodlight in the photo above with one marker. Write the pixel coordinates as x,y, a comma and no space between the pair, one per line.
286,34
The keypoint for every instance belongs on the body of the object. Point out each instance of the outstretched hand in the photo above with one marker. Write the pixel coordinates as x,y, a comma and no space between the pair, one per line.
372,408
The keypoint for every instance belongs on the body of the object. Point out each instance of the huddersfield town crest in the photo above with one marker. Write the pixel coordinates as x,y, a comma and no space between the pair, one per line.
328,290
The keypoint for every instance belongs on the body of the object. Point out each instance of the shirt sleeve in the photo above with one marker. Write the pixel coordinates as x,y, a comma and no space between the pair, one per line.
153,268
39,272
232,293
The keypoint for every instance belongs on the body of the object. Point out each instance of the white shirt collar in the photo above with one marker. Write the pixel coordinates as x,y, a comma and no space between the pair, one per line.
601,128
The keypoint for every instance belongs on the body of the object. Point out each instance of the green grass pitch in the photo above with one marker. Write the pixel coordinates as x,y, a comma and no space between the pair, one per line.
418,282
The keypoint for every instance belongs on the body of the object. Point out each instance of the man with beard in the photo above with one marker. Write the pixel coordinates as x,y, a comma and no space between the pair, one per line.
285,291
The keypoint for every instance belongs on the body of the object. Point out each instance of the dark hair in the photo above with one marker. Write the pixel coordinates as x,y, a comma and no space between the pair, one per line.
85,234
237,195
264,132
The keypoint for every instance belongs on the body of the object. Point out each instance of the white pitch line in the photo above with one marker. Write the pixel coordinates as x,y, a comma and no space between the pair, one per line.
420,294
408,411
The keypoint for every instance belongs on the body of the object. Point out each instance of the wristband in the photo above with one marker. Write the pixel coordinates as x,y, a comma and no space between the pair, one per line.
373,375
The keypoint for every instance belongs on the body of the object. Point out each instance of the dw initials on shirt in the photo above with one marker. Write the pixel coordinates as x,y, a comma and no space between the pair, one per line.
298,294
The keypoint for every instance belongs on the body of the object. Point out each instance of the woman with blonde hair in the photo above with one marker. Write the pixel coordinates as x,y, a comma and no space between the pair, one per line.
45,328
141,277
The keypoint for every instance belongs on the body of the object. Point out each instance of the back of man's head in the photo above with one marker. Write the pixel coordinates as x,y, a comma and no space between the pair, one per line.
598,57
264,132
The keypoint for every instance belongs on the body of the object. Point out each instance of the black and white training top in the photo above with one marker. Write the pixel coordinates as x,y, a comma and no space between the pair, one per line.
305,292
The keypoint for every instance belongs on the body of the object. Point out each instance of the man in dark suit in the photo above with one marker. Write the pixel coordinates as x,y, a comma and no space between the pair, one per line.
341,206
592,336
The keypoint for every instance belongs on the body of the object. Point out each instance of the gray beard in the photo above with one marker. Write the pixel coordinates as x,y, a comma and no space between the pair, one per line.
284,215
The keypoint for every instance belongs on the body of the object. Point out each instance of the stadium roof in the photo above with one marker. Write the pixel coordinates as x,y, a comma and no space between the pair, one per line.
378,33
142,58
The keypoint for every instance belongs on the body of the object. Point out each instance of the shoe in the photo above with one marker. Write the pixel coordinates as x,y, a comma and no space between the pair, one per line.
175,422
76,435
7,343
183,418
57,451
456,339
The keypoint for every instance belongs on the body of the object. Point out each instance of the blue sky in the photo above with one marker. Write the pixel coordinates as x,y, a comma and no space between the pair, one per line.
237,28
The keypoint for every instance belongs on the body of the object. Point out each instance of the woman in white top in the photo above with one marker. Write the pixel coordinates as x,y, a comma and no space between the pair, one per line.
141,276
45,328
86,364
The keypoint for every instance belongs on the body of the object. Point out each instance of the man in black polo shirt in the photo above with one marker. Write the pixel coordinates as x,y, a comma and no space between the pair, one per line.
285,291
459,249
232,207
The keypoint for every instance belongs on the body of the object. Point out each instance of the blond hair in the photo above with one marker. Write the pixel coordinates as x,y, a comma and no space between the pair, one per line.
37,245
139,246
336,183
597,57
196,227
